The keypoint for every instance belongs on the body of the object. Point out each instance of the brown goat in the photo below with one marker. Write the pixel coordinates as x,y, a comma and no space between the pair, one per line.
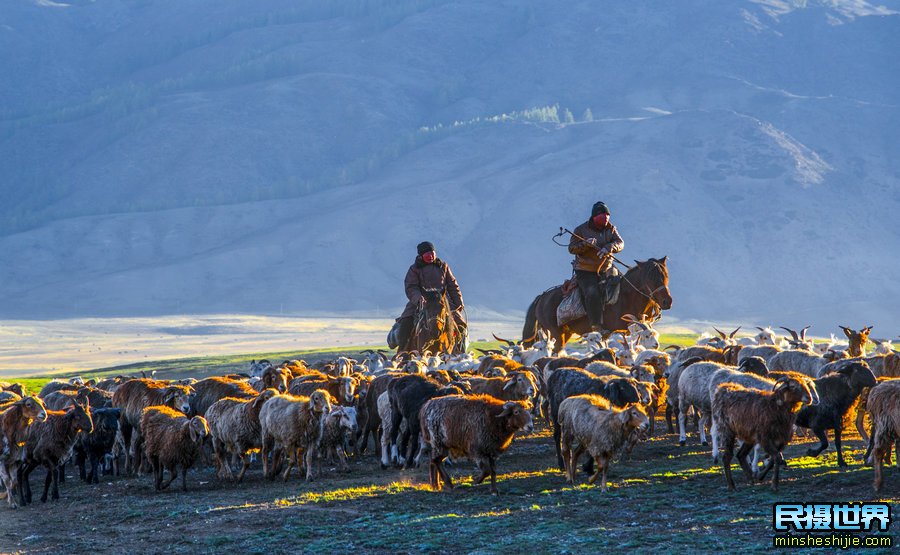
515,386
884,407
477,426
497,361
764,418
235,429
171,439
49,443
857,340
15,418
111,384
341,388
210,390
59,400
133,397
57,385
16,388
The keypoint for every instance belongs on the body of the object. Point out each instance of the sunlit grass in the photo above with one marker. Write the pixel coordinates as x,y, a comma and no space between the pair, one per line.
686,473
351,493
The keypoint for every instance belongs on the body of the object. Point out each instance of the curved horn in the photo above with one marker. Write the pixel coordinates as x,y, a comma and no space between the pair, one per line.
629,318
803,333
720,332
507,341
790,331
734,332
759,328
530,339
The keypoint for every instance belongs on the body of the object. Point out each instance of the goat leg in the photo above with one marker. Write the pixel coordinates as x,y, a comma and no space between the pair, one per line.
742,460
837,445
822,434
492,464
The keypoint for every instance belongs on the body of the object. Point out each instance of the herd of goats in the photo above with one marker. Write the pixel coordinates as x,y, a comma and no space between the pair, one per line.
754,393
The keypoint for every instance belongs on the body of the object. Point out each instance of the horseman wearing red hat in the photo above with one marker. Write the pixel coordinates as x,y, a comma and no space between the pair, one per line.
593,243
427,272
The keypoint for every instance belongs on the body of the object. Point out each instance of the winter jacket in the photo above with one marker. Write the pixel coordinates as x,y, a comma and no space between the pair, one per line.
587,257
436,275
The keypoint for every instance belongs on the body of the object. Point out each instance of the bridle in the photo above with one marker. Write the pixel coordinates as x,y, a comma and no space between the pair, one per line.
649,295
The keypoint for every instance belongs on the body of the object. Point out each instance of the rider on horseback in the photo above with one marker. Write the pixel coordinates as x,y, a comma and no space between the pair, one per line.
593,244
427,272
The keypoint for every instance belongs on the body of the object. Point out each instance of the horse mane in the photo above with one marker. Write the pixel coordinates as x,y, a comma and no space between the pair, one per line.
645,270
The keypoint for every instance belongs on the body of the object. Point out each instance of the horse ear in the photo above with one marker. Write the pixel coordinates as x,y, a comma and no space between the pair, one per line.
663,259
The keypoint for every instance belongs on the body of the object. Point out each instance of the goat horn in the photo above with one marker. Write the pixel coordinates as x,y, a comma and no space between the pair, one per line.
803,333
759,328
734,332
507,341
629,318
790,331
530,339
720,332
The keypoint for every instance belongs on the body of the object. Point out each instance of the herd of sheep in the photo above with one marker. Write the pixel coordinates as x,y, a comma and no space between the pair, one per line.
753,393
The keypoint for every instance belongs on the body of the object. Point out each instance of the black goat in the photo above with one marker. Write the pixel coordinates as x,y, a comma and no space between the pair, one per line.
566,382
838,391
95,446
407,395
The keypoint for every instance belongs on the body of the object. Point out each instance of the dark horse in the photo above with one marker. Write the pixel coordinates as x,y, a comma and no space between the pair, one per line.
643,290
434,328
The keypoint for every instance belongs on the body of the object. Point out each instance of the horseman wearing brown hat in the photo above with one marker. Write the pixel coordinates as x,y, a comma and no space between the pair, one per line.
593,243
427,273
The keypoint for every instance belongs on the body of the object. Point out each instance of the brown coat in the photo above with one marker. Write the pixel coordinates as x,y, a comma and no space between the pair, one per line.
587,256
430,276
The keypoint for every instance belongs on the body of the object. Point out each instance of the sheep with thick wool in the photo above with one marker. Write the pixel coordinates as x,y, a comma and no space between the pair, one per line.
596,427
294,423
172,439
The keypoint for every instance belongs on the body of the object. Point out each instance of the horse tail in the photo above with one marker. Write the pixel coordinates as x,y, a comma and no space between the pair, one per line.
530,329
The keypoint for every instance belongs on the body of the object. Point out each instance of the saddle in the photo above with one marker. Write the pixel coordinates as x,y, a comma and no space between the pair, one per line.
572,306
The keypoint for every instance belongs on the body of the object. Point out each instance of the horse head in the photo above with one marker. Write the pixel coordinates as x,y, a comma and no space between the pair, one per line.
651,278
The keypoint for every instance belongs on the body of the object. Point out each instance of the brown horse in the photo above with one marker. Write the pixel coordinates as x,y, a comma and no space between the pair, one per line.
642,290
434,328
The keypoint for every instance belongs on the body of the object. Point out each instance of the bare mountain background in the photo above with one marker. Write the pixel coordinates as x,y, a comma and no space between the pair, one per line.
285,156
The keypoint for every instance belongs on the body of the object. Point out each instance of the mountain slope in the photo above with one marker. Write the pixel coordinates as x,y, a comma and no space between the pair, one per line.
289,155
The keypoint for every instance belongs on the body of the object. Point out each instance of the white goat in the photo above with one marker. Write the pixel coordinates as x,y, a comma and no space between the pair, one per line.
766,336
882,347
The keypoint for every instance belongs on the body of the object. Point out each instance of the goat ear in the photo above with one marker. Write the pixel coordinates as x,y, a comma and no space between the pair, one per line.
507,409
192,430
